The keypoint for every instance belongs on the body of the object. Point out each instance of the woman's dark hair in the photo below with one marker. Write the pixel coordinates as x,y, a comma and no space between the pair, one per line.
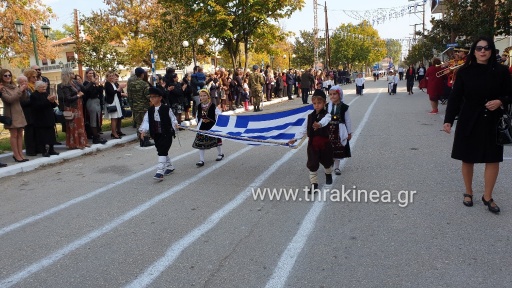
471,58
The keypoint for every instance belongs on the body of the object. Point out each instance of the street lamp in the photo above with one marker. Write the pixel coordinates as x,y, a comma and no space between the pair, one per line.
185,44
46,32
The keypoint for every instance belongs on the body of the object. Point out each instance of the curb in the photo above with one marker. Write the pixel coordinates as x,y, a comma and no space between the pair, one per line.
70,154
16,168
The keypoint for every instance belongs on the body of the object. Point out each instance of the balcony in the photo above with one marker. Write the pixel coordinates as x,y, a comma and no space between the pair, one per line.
57,67
437,6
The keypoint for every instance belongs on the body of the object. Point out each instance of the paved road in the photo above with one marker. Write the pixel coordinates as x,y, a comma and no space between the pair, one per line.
100,220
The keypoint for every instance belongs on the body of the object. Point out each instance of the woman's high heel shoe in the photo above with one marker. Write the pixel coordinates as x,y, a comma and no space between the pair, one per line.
114,137
120,133
19,161
470,202
494,209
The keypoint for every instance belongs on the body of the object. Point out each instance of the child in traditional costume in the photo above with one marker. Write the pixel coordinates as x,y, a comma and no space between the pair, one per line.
206,117
340,126
319,146
160,122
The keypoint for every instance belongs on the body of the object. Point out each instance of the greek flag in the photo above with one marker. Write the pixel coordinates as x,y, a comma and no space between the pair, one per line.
262,129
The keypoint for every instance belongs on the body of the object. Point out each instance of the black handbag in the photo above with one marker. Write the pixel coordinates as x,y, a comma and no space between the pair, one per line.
504,133
6,120
112,109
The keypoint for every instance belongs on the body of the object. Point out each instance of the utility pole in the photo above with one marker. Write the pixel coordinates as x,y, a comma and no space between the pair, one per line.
77,35
315,32
327,40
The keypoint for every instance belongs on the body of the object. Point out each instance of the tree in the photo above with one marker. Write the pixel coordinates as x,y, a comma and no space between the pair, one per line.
234,23
30,12
98,49
304,54
132,21
356,44
67,31
394,49
465,19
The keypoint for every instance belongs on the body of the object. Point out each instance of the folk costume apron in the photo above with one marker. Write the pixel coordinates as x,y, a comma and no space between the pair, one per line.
338,117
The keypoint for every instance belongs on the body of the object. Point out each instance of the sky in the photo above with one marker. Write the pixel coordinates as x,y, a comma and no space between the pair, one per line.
338,12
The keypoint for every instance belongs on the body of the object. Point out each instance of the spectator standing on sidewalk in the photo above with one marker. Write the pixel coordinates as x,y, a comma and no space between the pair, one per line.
306,80
256,82
138,93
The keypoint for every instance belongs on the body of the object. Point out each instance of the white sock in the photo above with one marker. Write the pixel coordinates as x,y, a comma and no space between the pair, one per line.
201,155
336,164
219,150
161,164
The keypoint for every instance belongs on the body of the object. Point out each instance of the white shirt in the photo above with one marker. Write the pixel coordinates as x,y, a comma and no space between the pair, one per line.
144,127
360,81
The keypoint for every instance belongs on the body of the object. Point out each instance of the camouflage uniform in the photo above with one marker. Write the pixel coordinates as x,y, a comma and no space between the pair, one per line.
256,82
138,95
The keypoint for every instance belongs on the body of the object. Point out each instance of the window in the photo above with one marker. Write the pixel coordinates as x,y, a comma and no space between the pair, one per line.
70,56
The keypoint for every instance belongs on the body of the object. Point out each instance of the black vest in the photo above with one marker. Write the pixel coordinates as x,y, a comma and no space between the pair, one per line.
165,121
340,112
314,117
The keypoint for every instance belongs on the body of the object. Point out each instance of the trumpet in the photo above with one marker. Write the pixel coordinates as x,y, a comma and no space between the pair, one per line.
448,70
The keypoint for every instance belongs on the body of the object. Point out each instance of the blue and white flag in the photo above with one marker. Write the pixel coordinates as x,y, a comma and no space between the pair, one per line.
275,128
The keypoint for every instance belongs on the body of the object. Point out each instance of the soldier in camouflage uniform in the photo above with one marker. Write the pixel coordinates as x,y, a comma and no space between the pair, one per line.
256,83
138,95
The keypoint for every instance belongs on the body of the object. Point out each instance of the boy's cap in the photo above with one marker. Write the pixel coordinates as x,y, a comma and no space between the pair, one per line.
320,92
154,91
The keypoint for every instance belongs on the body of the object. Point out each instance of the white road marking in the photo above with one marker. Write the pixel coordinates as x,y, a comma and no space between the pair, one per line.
52,258
153,271
287,261
81,198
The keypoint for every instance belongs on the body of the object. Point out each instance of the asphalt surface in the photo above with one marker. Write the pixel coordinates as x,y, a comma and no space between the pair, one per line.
97,218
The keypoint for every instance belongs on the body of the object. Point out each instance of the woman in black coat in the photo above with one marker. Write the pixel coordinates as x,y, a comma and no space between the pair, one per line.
410,76
482,87
43,118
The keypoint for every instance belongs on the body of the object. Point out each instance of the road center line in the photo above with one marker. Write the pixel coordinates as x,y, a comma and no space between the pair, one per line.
52,258
287,261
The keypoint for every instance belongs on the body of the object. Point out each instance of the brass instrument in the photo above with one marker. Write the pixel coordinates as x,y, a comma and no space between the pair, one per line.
448,70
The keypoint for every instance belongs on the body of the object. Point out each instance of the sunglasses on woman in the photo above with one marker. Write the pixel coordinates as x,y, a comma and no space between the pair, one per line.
7,75
480,48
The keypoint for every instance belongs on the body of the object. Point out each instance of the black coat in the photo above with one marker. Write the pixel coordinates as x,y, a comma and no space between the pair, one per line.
42,110
475,134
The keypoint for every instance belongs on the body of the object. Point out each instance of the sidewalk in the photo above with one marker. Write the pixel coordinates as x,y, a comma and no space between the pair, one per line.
35,162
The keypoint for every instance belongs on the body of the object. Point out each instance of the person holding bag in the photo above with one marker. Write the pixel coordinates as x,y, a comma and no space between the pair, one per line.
113,106
71,92
482,87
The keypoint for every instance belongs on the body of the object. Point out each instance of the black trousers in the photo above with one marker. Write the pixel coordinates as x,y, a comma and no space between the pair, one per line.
30,140
163,143
305,95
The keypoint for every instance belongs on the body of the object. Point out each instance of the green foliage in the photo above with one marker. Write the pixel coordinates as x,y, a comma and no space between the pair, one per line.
394,49
234,23
98,49
356,45
304,52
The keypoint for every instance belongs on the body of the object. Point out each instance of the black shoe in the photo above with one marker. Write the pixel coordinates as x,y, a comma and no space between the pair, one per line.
114,137
46,155
53,152
19,161
328,179
158,176
2,165
99,141
470,202
219,157
148,143
121,133
200,164
494,209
